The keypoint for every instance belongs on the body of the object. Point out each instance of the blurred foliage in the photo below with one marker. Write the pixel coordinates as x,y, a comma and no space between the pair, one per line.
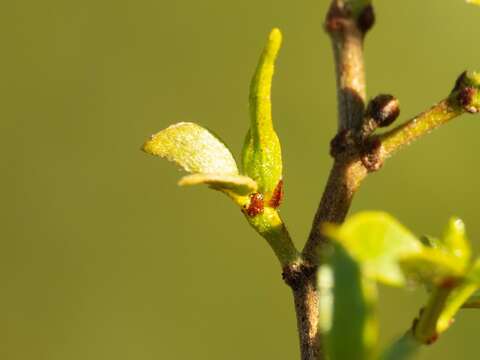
102,256
373,246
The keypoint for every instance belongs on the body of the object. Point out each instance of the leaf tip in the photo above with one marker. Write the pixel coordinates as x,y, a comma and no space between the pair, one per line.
274,42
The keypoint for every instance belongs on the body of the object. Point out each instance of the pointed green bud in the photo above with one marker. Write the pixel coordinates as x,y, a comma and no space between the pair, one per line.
262,158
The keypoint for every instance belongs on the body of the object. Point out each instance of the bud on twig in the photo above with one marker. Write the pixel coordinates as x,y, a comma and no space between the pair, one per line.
466,92
366,19
383,109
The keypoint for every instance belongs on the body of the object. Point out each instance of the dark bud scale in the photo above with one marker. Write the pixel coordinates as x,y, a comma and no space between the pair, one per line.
383,109
256,205
277,195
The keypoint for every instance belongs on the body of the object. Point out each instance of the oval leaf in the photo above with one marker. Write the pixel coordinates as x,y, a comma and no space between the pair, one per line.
193,148
377,241
238,184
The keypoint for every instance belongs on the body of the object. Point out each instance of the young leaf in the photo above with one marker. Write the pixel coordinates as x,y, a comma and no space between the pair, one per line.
238,184
354,330
261,157
193,148
377,241
456,241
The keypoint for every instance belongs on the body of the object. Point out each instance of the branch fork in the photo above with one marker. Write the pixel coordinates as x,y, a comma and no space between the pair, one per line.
257,188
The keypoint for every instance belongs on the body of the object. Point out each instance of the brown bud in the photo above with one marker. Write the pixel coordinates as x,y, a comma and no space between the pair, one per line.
366,19
383,109
465,98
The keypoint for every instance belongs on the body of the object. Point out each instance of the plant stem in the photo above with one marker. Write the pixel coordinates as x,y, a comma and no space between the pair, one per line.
269,225
347,23
306,308
347,31
417,127
425,330
347,42
344,180
464,98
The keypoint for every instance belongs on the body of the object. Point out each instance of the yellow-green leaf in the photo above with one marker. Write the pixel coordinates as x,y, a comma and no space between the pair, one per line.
193,148
261,157
238,184
377,241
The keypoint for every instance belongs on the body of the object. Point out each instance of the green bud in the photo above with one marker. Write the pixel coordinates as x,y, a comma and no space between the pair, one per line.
262,157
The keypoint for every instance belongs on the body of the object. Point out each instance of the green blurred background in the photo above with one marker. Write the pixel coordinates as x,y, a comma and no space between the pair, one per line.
103,257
